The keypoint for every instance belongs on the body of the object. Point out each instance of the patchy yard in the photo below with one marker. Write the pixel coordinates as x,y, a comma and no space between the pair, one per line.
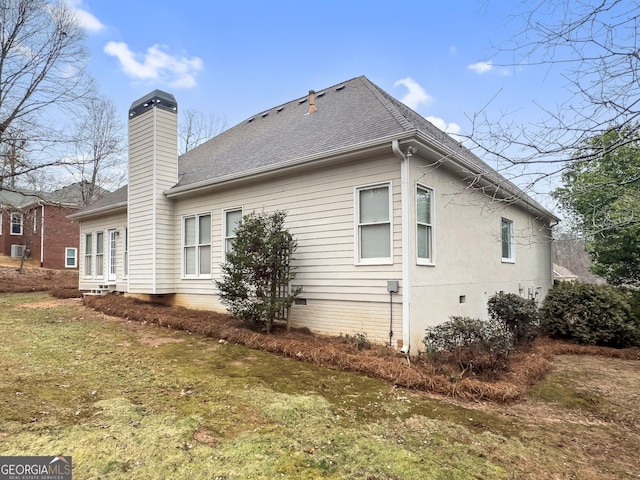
134,400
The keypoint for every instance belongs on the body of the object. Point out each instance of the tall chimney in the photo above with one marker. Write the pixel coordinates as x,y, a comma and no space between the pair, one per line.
312,101
153,169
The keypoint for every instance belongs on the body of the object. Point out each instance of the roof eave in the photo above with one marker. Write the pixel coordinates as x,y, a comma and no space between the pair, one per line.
99,211
336,155
491,178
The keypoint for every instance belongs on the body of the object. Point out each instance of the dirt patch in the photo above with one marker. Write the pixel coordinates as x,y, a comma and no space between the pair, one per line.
204,436
153,341
53,303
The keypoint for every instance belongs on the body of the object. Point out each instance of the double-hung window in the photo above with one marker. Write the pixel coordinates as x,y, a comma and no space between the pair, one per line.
424,225
88,255
125,261
231,220
16,223
99,254
373,224
197,245
508,240
71,257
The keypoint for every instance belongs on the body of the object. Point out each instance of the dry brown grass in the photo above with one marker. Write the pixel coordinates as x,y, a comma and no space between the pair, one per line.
63,283
527,366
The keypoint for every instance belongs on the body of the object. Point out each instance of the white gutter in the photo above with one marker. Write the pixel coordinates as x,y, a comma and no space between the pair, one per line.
98,211
406,278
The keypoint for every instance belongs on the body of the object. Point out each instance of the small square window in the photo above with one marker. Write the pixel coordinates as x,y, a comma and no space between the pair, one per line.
71,257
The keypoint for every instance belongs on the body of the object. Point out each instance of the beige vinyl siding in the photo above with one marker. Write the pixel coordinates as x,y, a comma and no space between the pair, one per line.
152,170
320,206
116,221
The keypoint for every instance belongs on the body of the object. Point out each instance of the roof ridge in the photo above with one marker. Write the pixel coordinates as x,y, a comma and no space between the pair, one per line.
387,102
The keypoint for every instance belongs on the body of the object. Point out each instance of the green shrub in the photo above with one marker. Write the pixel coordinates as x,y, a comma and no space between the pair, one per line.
591,315
473,345
258,271
521,316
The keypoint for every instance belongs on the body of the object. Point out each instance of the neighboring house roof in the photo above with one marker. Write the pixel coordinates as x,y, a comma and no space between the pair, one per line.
17,198
349,116
69,196
563,273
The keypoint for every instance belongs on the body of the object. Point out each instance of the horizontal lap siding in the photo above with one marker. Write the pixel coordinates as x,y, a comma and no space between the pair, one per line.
328,316
152,170
320,207
103,224
166,177
141,196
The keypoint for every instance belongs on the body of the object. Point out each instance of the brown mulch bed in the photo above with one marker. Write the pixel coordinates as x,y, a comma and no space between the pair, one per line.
527,367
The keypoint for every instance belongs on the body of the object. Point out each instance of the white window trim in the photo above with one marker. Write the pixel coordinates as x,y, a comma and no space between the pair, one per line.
430,262
87,255
102,255
197,246
356,225
512,240
21,223
75,257
225,234
125,254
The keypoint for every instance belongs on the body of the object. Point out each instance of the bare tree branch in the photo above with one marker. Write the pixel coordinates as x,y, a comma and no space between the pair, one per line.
42,72
196,128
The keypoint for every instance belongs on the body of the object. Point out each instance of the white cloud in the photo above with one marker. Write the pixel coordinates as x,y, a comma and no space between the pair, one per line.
452,50
156,64
481,67
416,94
452,129
87,20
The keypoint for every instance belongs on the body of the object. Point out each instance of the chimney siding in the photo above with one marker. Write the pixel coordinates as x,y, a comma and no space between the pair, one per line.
153,168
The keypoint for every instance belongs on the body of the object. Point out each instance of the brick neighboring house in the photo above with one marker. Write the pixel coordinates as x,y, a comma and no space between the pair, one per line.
37,221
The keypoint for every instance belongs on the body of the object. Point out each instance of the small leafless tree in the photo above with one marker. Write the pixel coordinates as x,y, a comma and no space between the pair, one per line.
42,71
196,128
98,147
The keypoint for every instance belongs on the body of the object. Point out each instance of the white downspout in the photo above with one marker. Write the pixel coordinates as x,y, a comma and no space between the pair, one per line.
406,279
42,238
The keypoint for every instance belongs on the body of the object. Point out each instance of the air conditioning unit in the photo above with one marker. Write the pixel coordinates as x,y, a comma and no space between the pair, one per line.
17,251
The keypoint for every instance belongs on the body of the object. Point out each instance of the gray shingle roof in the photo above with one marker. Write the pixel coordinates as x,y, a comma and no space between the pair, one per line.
70,196
116,199
349,114
345,117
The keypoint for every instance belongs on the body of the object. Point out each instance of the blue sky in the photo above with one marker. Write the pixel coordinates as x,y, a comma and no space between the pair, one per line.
237,58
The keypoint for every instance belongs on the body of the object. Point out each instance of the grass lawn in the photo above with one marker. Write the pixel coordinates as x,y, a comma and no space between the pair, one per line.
135,401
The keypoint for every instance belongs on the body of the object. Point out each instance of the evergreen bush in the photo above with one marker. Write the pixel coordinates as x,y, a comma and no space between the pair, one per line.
258,271
521,316
591,315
